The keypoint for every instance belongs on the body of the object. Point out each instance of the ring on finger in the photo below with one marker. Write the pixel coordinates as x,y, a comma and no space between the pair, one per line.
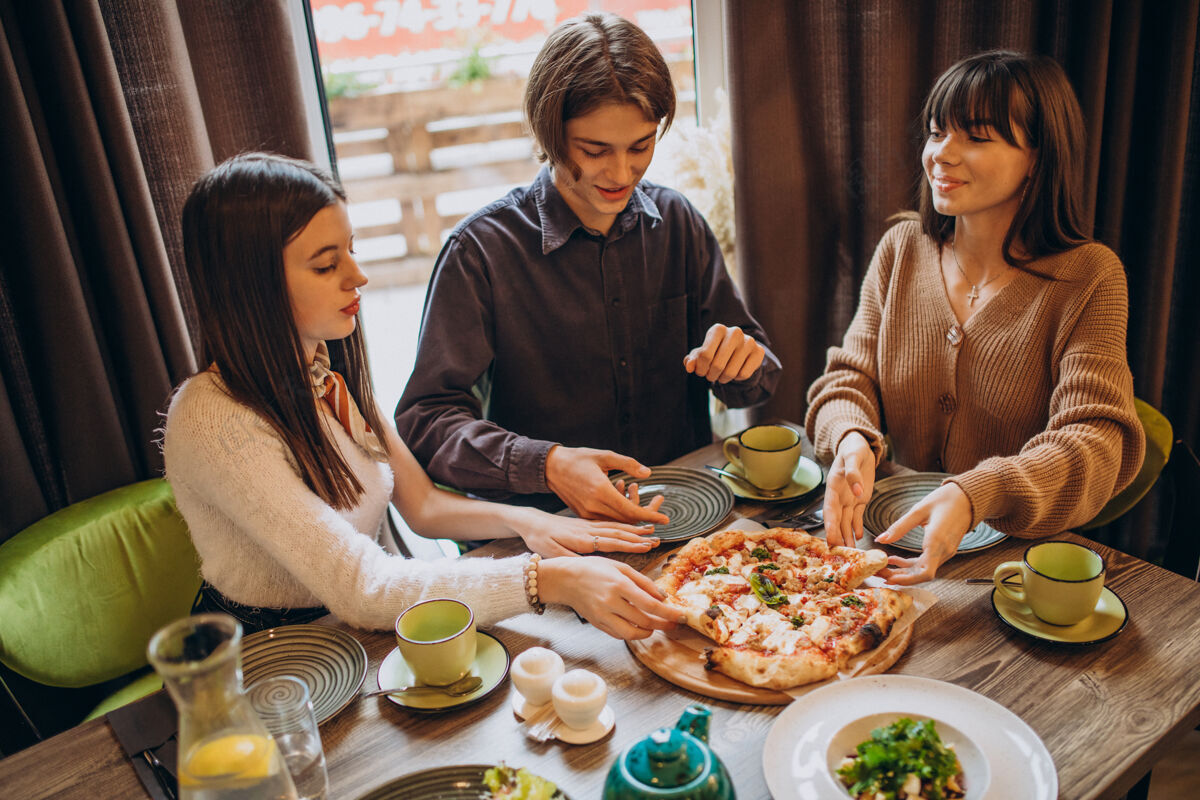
595,543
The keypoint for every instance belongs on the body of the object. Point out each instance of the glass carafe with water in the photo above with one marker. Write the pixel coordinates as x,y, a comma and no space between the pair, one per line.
225,751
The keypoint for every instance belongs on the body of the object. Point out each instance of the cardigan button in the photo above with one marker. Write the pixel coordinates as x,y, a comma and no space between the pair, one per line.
954,335
947,403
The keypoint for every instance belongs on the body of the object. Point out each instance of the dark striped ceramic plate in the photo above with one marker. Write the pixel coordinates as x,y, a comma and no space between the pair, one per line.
464,782
332,662
695,501
893,497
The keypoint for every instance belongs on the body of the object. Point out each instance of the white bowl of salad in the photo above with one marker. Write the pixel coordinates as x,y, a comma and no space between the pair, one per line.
893,756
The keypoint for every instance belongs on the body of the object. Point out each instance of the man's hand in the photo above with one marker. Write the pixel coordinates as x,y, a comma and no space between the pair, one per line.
726,355
946,515
579,476
847,490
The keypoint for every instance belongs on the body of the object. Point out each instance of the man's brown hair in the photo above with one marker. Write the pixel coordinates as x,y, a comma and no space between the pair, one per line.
587,62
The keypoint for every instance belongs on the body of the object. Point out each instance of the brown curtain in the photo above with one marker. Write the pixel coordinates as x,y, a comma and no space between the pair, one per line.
824,97
110,110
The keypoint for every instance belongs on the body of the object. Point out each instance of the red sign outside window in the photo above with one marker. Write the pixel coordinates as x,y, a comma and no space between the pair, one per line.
351,30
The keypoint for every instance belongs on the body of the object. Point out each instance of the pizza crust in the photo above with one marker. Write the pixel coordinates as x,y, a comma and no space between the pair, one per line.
770,671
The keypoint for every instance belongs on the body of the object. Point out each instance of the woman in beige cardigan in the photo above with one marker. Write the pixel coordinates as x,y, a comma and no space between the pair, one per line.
989,340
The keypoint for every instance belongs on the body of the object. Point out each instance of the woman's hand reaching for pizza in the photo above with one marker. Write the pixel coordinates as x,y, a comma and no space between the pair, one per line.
611,595
550,535
847,490
946,516
579,476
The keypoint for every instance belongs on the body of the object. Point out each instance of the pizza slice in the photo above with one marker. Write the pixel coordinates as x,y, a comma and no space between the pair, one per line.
794,559
795,644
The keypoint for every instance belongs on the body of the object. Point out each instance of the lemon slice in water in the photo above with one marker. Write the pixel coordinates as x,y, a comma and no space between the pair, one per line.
237,756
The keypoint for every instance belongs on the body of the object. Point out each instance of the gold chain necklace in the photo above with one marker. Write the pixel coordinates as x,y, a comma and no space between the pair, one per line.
973,295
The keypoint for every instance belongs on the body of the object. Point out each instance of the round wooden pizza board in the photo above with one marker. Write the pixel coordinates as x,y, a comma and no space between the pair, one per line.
684,667
666,656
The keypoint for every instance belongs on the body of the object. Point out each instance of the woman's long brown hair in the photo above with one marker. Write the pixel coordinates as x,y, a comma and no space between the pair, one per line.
236,222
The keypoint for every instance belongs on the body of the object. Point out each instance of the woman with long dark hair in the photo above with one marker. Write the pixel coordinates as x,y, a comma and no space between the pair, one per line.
989,340
283,467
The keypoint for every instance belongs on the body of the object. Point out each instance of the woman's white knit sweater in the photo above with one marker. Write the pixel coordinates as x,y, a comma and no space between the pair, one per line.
265,539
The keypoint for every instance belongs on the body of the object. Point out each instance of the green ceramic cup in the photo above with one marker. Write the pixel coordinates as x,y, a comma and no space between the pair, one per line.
766,454
1060,581
437,639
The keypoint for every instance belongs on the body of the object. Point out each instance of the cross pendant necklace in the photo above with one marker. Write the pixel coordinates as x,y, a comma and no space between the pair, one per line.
973,295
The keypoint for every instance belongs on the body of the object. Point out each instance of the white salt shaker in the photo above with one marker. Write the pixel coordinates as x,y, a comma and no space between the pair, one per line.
579,696
534,672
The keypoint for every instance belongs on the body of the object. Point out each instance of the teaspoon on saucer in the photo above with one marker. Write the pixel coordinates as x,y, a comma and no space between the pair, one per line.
464,685
745,484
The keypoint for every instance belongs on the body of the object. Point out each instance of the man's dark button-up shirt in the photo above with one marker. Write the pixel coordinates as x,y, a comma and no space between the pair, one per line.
537,332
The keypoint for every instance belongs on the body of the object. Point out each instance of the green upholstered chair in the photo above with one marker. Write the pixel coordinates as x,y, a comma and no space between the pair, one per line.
82,591
1159,437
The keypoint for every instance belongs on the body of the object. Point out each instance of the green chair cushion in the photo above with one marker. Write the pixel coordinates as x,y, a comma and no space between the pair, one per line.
82,590
147,684
1159,437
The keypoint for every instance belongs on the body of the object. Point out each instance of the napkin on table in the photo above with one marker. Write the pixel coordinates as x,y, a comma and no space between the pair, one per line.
148,724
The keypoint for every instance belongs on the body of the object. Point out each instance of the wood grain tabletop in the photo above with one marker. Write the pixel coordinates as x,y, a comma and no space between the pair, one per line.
1106,712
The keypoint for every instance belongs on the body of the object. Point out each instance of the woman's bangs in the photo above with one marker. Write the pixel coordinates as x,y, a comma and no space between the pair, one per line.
977,97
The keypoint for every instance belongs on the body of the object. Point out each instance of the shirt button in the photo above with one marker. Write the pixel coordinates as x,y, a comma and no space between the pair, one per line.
616,301
623,363
947,403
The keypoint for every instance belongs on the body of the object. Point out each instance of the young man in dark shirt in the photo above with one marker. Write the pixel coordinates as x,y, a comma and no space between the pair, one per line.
576,325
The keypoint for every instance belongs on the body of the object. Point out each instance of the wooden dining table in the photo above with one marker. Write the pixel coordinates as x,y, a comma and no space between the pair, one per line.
1106,712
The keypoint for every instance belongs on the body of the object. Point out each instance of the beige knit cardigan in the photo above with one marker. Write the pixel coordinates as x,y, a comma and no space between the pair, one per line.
1029,403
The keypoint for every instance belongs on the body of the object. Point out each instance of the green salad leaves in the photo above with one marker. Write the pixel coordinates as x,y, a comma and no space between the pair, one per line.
885,762
517,784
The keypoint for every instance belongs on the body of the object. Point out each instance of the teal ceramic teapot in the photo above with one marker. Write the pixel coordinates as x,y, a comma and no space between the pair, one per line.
671,764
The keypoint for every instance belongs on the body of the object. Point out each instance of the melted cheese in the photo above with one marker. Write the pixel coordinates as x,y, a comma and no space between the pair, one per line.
785,641
748,604
818,630
757,628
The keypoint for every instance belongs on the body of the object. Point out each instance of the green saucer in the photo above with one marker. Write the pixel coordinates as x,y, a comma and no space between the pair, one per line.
1106,621
806,477
491,664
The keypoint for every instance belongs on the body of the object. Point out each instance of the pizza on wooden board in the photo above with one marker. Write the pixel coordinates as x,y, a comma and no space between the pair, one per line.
782,607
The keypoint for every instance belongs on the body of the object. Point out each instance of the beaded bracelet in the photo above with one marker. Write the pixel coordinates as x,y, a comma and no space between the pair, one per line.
531,584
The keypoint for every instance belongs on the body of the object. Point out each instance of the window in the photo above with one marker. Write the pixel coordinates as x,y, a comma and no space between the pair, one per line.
424,101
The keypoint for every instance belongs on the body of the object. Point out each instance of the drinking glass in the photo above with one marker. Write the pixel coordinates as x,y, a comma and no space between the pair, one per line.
285,707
